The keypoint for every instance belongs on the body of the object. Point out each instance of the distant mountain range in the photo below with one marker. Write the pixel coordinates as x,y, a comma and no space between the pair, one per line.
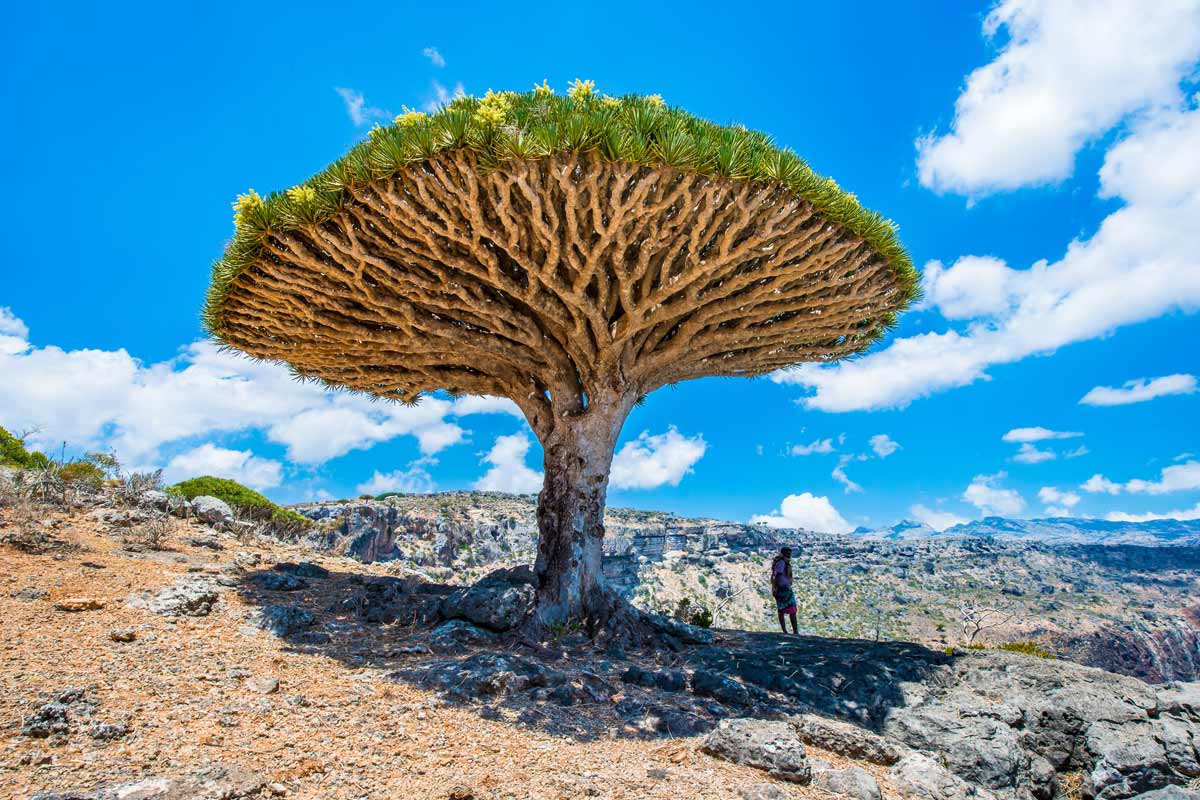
1056,530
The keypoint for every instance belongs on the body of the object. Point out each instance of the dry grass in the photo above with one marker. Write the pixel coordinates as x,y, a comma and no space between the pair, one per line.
1071,784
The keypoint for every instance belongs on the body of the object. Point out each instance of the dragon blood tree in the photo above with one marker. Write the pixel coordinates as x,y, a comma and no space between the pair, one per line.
570,253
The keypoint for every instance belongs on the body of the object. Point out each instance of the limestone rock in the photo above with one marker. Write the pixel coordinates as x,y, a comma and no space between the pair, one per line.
846,739
212,510
852,782
499,602
79,604
919,776
189,597
282,620
770,746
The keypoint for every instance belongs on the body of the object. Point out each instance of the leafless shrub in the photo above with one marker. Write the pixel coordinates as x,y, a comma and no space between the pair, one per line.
976,618
135,484
152,534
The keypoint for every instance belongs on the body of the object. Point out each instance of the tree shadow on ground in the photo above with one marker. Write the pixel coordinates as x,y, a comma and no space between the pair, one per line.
394,626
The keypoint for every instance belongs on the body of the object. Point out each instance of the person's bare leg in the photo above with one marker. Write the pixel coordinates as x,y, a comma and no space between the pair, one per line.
782,627
792,616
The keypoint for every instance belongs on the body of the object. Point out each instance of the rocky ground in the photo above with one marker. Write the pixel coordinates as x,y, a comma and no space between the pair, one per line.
147,656
1127,608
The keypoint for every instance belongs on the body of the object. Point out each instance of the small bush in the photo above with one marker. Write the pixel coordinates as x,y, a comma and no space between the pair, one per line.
82,473
696,614
1028,648
153,533
249,502
13,453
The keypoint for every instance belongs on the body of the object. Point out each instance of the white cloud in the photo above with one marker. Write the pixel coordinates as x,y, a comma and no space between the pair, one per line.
1052,496
1098,484
1138,265
14,335
97,398
938,520
808,512
818,446
1069,71
1175,478
1077,452
443,96
239,465
356,107
992,500
1140,390
1183,514
1037,434
652,461
508,471
883,445
1030,454
839,474
434,56
415,479
481,404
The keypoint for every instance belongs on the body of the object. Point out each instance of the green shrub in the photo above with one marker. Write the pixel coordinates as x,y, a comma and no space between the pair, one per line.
1028,648
696,614
249,502
14,454
386,495
82,473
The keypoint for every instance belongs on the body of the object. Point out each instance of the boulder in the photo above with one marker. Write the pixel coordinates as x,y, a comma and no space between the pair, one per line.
770,746
853,782
189,597
279,582
1170,793
455,635
919,776
499,602
846,739
154,498
212,510
1181,700
49,720
282,620
1129,759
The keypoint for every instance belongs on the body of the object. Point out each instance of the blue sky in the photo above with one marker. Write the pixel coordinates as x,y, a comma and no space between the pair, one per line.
1050,179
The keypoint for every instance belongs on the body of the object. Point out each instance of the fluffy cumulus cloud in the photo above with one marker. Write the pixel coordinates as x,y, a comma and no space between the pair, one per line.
109,399
652,461
818,446
936,519
1069,71
806,511
239,465
414,479
507,470
1140,390
1058,503
1139,264
1181,514
1175,478
883,445
1031,454
993,500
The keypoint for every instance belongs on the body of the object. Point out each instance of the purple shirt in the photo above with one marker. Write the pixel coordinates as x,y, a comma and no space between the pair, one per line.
779,574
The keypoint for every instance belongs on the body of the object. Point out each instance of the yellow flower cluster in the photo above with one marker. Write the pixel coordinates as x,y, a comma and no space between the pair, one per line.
494,107
302,195
244,203
580,89
407,117
608,101
543,91
655,100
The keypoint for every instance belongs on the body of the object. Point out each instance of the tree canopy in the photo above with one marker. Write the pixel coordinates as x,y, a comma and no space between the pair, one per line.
539,241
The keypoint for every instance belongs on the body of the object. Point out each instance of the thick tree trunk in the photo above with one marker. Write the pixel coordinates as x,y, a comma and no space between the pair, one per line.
578,455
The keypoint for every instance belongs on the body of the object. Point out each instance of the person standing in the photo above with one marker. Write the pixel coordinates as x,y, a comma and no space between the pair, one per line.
781,588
